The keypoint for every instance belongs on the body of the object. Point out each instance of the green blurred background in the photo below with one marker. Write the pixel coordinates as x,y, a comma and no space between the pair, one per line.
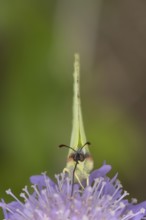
37,43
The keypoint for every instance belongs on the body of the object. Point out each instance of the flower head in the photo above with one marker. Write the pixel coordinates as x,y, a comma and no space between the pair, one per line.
103,199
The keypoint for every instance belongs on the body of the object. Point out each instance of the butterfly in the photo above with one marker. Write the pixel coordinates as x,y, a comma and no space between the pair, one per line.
79,161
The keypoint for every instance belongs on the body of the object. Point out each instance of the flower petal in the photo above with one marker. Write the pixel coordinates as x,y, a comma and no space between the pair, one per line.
101,172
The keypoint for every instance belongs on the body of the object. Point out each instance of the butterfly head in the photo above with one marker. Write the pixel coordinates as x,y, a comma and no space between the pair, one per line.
79,155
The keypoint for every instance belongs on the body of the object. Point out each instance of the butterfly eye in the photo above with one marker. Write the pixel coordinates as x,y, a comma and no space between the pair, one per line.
82,157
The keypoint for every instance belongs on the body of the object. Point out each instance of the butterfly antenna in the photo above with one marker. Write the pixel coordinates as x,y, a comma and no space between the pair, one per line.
87,143
63,145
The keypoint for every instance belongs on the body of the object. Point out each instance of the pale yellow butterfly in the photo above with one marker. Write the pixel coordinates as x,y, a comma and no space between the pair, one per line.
79,161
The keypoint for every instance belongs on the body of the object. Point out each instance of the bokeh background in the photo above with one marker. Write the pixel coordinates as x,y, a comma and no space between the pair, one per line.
37,42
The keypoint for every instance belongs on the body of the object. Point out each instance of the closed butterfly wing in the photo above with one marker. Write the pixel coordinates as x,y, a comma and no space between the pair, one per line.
78,137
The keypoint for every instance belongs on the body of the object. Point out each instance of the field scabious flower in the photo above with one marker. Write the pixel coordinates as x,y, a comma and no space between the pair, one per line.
103,199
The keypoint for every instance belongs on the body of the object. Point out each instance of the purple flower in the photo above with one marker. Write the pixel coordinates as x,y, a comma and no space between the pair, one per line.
102,199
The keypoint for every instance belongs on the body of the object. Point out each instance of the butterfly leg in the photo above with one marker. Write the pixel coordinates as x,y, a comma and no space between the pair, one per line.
79,181
65,170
